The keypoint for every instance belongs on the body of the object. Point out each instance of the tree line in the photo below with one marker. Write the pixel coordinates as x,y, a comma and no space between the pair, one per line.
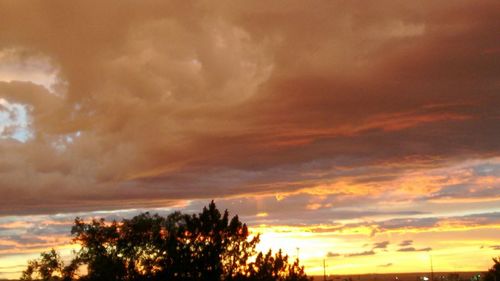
205,246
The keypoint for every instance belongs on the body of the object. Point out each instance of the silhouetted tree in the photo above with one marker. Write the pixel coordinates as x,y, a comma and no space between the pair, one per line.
98,249
47,268
204,246
494,273
275,267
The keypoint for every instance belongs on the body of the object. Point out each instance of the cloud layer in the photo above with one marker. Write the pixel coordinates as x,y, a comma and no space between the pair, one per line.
181,100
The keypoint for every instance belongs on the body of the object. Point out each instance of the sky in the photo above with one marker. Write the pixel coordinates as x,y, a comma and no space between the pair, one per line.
363,133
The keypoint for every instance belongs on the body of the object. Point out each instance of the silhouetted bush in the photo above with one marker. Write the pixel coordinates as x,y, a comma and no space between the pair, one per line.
204,246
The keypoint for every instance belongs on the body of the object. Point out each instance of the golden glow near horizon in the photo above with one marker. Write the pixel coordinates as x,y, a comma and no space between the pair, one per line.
350,251
461,243
357,253
363,133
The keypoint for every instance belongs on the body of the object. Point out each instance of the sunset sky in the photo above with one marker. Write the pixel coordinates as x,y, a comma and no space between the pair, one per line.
366,133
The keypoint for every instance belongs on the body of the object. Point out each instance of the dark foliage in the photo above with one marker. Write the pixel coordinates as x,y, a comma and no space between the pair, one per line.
204,246
494,273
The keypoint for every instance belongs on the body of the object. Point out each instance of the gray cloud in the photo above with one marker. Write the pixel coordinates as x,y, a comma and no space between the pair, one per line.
6,247
412,249
404,224
26,239
406,243
381,245
365,253
409,223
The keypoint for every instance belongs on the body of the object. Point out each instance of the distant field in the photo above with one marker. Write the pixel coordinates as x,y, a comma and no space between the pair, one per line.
438,276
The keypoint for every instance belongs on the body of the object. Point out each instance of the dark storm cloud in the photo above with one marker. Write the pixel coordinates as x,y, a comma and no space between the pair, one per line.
180,100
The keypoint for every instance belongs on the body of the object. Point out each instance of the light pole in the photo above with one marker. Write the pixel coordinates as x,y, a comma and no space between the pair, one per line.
324,269
432,269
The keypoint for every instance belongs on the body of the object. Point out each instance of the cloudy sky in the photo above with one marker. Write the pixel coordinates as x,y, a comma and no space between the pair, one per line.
366,133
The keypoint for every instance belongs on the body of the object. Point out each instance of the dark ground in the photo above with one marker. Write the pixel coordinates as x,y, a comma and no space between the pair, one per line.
438,276
417,276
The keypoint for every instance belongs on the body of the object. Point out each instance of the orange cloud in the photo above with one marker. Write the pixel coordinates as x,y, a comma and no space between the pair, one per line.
177,101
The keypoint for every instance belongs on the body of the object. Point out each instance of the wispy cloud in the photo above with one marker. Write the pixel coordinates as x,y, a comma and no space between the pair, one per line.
495,247
406,243
365,253
381,245
412,249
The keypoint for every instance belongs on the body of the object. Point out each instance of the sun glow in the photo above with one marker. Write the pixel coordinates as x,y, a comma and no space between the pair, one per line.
351,252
